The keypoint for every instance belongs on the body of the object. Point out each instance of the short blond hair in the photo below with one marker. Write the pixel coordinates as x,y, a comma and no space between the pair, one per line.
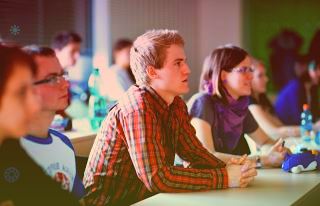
149,49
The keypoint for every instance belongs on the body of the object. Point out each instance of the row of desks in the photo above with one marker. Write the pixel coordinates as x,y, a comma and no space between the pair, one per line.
271,186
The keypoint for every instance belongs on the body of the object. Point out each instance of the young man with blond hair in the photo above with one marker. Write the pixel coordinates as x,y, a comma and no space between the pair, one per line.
133,154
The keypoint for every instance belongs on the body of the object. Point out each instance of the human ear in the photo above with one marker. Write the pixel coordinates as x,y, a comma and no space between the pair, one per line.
223,76
151,72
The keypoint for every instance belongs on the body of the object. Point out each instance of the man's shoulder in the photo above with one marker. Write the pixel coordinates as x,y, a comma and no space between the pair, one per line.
135,99
179,102
61,136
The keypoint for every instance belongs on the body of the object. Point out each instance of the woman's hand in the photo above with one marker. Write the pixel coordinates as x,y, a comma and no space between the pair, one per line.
275,156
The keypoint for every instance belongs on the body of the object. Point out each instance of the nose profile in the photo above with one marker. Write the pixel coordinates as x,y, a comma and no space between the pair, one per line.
187,69
64,83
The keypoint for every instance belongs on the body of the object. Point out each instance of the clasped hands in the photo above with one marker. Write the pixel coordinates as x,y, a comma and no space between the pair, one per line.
241,171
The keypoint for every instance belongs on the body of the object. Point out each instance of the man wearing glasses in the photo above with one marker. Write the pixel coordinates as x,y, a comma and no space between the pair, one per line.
49,148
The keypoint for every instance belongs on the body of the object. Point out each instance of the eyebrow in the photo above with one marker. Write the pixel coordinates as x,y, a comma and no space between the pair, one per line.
53,74
180,59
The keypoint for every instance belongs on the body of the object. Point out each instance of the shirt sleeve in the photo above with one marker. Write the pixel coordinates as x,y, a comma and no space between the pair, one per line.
78,188
143,137
191,150
249,124
200,106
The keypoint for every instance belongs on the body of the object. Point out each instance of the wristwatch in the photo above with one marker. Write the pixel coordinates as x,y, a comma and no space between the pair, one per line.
258,162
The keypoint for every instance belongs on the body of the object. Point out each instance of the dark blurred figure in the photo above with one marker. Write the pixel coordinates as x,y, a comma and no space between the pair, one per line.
299,91
314,49
285,47
118,78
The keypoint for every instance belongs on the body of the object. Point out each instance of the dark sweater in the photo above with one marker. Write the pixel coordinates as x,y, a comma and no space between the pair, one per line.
23,182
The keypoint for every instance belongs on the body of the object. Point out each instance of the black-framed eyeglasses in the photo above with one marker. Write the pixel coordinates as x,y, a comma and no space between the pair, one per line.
243,70
54,79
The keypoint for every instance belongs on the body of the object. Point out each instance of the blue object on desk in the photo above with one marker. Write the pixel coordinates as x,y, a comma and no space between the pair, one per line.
318,161
300,162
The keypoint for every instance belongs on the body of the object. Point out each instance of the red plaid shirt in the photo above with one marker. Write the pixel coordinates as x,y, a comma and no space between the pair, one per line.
133,154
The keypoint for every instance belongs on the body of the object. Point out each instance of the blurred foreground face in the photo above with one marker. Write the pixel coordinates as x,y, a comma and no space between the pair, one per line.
18,104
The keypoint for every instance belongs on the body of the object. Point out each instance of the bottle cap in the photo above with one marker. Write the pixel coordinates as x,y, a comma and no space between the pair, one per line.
305,107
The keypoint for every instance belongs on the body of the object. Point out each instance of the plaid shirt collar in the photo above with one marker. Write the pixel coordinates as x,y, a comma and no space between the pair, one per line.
157,101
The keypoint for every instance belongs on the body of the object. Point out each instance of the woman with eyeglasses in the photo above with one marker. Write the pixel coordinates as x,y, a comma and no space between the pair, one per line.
262,109
220,112
22,181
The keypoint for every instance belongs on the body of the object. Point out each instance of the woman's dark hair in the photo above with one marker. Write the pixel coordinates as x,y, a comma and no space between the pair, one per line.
10,57
314,49
265,103
223,58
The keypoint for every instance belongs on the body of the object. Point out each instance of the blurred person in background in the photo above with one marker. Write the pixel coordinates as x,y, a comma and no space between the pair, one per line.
262,109
299,91
118,78
67,47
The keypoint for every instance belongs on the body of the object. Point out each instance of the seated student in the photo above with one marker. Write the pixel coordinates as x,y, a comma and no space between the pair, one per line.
303,90
262,109
220,112
118,78
49,148
133,154
22,181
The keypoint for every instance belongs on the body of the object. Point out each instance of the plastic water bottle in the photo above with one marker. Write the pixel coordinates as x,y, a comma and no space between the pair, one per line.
97,103
306,125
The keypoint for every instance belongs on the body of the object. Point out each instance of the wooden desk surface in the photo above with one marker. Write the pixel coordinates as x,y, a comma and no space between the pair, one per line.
271,187
82,137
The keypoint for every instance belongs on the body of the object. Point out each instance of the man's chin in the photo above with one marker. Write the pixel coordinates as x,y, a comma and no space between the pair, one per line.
184,91
64,106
